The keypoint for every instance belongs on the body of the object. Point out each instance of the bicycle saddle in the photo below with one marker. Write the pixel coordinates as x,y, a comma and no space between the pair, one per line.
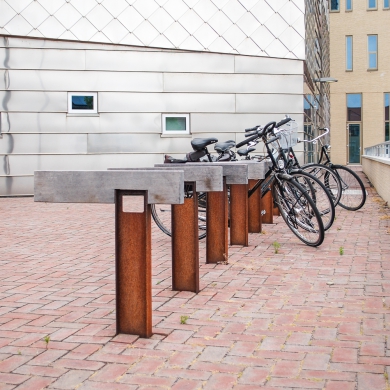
201,143
224,146
245,151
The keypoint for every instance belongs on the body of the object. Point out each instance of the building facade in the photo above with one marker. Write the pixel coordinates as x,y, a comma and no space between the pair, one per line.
97,84
360,60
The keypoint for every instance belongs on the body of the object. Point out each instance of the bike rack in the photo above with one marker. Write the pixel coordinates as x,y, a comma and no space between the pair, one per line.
185,241
185,247
217,216
133,258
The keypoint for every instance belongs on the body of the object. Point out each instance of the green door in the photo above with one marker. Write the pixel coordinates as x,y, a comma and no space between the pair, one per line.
354,143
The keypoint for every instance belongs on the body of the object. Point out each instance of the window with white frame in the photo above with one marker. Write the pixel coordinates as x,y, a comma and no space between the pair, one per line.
348,5
372,45
387,117
348,53
82,103
175,124
372,4
386,4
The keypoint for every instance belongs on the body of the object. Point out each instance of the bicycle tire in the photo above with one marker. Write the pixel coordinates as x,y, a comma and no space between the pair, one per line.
353,194
328,177
161,214
299,211
319,194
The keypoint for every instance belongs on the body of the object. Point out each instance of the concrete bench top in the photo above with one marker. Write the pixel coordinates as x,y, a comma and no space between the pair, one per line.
234,173
207,179
163,186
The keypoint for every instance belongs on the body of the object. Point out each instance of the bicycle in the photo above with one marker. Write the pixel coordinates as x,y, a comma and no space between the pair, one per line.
315,188
352,194
296,206
161,213
293,200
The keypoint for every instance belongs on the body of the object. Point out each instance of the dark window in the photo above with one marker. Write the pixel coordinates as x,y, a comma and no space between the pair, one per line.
354,107
334,5
176,124
82,102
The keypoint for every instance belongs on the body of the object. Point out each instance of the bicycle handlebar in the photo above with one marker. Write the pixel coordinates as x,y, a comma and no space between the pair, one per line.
259,133
250,134
320,136
283,122
246,141
252,129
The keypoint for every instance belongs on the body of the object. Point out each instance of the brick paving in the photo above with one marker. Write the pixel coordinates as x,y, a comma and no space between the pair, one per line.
304,318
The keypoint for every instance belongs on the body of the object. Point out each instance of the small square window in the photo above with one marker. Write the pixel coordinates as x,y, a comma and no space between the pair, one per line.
82,103
372,4
176,123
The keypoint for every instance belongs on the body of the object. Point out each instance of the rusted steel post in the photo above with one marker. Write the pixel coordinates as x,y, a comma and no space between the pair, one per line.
185,244
267,208
217,226
133,260
254,209
239,214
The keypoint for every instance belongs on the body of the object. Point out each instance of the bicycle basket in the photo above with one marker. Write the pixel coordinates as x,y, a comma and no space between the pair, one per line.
288,135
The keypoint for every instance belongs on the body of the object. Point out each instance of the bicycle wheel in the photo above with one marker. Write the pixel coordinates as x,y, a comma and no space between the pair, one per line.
353,194
299,211
319,194
328,178
161,214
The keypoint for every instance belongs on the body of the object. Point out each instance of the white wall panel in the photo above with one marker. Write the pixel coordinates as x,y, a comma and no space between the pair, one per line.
143,61
43,143
246,64
47,122
84,81
234,123
19,164
130,122
137,143
35,122
278,104
165,102
236,83
42,59
16,185
33,101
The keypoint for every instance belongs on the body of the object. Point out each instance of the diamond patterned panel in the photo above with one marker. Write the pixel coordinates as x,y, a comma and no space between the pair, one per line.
254,27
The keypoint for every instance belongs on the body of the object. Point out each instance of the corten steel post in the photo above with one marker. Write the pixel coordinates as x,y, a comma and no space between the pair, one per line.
217,226
254,209
185,244
267,208
133,269
239,214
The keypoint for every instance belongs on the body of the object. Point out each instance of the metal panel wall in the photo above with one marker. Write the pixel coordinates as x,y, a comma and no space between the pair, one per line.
222,93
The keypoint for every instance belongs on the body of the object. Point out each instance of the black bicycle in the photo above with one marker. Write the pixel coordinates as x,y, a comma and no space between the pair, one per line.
352,194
